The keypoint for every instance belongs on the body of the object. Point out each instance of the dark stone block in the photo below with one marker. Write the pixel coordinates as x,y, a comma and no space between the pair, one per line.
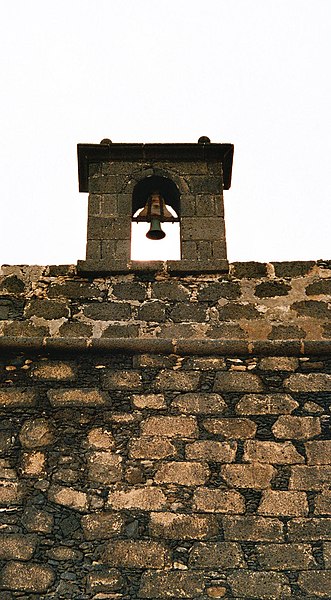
196,267
130,291
186,311
293,268
108,311
152,311
61,270
12,284
75,329
200,184
312,308
232,312
212,292
327,330
249,270
286,332
269,289
76,290
169,291
119,331
48,309
319,287
226,330
24,329
318,347
10,307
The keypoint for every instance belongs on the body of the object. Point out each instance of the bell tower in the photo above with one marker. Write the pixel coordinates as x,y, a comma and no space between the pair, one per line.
122,178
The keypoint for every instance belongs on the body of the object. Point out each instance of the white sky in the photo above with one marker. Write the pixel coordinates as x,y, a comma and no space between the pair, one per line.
255,73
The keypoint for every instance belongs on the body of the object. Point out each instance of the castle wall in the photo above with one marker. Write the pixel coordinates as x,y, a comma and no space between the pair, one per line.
165,437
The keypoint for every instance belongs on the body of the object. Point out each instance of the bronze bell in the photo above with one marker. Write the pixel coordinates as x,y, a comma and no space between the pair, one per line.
155,212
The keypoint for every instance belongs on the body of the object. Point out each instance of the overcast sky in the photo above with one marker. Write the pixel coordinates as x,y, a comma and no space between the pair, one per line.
255,73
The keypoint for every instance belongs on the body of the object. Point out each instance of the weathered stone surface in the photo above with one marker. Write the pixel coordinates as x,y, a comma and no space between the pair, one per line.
13,284
253,529
277,453
101,525
206,363
237,382
121,380
33,464
152,311
136,554
286,332
216,555
31,577
250,584
104,467
144,498
183,527
69,497
18,397
11,493
296,268
234,311
256,476
36,433
309,382
266,404
185,381
154,401
105,580
64,553
316,582
211,292
151,448
132,290
231,428
76,397
249,270
283,503
6,441
312,308
199,403
183,427
297,428
182,473
323,503
16,546
54,370
279,363
38,521
218,501
313,478
280,557
108,311
323,286
184,312
76,290
318,452
212,451
100,438
48,309
270,289
24,329
169,290
116,330
75,329
309,530
169,584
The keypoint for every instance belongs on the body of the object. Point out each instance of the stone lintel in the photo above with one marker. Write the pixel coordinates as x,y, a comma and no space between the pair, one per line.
173,267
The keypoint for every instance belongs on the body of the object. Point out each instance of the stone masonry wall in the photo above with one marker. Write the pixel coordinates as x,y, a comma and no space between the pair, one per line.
165,437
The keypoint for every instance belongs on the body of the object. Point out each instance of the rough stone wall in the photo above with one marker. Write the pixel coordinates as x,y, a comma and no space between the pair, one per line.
165,437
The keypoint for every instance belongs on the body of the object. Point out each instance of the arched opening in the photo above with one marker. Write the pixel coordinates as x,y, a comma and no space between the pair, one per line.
167,248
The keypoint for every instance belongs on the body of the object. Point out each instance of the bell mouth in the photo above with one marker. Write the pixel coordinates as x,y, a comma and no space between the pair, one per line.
155,234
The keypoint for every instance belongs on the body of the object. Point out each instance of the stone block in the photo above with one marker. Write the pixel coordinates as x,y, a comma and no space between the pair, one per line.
145,498
237,382
101,525
216,555
178,526
266,404
202,228
105,580
259,584
17,546
151,448
272,289
152,311
310,478
36,433
47,309
281,557
33,464
11,493
136,554
312,308
31,577
249,270
234,311
100,438
323,286
170,290
75,290
256,476
69,497
182,473
298,428
218,501
279,363
308,382
15,398
231,428
166,584
59,371
286,332
206,363
37,520
317,583
108,311
104,467
75,329
173,427
296,268
212,292
276,453
121,380
309,530
76,397
253,529
199,403
283,504
184,312
318,452
153,401
211,451
323,503
130,290
6,441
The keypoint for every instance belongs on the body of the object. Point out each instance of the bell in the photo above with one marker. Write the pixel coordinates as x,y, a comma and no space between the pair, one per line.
155,232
